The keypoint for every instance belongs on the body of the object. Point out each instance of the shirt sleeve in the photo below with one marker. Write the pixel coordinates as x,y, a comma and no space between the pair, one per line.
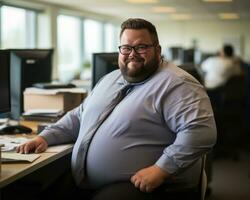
188,113
65,130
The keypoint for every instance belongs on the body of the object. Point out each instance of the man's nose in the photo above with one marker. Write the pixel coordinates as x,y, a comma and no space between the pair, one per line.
133,52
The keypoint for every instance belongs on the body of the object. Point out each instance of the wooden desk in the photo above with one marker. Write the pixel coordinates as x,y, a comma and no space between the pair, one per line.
14,172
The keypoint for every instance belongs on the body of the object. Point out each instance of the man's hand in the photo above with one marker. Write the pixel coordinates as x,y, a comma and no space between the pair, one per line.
36,145
149,178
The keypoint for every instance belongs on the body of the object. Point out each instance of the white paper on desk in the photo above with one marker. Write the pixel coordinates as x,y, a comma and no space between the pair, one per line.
57,148
33,90
4,120
10,143
42,111
14,157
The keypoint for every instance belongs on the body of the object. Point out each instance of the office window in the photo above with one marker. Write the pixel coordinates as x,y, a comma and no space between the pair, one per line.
69,46
18,27
93,38
111,38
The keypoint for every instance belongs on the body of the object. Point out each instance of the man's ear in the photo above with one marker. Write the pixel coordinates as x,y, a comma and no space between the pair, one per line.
158,51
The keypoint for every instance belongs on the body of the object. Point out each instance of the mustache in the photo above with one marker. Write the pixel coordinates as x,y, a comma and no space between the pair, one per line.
134,59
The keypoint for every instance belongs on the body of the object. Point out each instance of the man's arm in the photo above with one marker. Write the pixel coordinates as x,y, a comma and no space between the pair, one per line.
65,130
188,113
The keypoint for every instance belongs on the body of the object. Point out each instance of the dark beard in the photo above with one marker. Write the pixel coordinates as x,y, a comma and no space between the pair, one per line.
139,74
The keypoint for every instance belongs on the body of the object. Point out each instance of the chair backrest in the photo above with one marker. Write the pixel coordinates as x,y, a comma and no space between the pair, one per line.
197,193
203,180
234,92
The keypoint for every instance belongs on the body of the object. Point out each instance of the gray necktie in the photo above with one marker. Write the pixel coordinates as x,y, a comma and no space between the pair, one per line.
104,115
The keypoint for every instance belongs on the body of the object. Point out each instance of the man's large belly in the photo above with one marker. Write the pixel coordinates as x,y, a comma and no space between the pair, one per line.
116,158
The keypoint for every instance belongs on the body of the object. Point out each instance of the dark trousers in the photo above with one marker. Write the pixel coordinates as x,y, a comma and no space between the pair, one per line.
123,191
65,188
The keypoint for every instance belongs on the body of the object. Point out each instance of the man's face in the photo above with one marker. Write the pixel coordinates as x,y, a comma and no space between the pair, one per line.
136,67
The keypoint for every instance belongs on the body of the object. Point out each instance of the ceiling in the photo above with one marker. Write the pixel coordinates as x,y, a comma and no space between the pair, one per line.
186,9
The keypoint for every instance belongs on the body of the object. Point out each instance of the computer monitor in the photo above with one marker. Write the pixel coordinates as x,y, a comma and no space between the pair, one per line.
188,56
27,66
103,63
4,86
174,53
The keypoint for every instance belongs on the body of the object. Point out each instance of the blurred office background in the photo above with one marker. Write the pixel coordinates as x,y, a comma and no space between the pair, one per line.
189,32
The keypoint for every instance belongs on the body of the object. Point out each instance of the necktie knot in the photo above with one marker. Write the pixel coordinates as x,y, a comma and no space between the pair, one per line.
123,92
126,89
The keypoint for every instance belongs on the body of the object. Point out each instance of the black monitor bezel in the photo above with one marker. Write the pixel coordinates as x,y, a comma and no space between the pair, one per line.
7,109
103,55
16,58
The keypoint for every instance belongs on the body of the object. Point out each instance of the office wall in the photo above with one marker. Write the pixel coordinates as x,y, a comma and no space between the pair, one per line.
209,35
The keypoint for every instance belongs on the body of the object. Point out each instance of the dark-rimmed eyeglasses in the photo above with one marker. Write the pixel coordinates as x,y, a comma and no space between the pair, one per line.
140,49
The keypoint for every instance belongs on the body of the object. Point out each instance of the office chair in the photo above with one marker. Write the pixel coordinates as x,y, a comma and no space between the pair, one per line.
200,193
197,193
203,180
231,117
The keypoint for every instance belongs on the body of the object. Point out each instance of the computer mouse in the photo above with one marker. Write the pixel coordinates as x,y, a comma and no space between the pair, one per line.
15,129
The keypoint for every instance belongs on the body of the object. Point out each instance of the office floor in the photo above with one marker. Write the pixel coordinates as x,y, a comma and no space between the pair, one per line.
231,178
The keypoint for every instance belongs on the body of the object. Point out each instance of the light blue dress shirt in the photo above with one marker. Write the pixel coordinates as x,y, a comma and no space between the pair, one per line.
167,120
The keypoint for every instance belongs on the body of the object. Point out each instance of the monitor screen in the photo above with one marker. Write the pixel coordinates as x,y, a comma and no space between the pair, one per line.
174,53
103,63
188,56
27,66
4,85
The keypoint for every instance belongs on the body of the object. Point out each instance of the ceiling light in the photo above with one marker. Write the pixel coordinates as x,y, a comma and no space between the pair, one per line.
217,1
164,9
142,1
181,16
229,16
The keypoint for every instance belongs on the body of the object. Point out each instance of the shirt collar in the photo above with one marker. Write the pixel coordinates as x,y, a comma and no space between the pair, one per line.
121,81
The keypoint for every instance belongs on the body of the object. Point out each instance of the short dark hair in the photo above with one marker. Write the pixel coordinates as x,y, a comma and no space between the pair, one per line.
137,23
228,50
